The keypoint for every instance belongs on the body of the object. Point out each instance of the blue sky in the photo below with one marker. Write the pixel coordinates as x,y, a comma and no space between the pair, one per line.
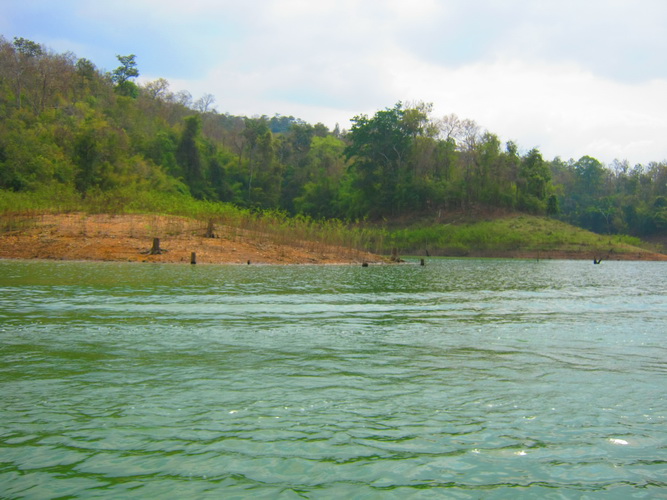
572,77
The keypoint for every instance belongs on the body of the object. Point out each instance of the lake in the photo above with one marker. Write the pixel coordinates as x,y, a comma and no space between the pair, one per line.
460,379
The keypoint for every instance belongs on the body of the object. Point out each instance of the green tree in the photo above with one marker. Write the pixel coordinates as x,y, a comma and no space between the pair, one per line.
259,145
30,156
189,156
100,153
319,195
378,148
553,206
122,74
218,180
293,151
590,175
86,78
489,176
534,177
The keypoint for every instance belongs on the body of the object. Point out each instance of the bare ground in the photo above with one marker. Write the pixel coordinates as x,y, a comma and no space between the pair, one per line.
130,238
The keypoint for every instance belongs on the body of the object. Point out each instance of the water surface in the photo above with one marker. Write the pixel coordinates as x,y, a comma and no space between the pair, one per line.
461,379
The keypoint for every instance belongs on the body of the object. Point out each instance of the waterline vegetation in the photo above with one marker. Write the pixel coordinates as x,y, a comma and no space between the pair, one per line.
512,235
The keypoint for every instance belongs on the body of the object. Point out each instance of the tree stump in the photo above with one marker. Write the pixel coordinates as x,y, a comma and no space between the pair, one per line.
193,258
156,250
394,255
210,230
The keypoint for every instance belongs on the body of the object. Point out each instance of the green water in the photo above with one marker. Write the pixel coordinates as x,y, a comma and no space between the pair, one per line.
461,379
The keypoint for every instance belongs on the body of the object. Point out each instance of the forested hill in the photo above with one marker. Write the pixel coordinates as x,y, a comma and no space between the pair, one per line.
68,127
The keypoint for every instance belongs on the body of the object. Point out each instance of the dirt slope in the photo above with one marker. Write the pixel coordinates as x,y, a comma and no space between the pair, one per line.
130,237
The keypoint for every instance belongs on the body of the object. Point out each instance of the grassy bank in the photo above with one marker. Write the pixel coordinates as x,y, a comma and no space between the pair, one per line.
509,236
519,235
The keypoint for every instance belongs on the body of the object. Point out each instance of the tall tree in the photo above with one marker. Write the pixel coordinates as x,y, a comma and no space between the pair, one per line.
122,74
86,74
189,157
205,103
591,175
378,148
26,54
158,90
319,195
259,144
534,177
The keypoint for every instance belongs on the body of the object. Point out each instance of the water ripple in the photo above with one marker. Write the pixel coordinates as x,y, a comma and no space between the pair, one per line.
475,379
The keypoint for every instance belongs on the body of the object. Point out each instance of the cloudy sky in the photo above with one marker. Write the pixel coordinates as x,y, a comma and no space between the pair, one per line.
571,77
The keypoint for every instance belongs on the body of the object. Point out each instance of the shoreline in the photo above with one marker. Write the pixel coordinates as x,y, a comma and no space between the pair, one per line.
644,256
129,238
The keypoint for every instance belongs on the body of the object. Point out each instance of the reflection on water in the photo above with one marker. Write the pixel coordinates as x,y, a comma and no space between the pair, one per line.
461,379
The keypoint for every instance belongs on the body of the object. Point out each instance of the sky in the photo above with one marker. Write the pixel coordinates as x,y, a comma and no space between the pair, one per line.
570,77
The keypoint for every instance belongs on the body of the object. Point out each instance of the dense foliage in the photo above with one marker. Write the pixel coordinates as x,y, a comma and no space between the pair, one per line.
70,129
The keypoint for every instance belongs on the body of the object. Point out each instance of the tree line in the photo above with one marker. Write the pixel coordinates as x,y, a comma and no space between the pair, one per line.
66,123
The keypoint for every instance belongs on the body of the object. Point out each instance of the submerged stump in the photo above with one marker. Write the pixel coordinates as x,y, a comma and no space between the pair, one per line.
394,255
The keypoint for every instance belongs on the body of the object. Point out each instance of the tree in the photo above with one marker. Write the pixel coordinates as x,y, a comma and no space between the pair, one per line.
26,53
259,143
534,177
449,127
218,180
293,149
377,149
189,156
204,103
184,98
158,90
27,48
122,74
55,80
470,136
591,174
318,196
553,206
100,153
416,120
86,73
490,176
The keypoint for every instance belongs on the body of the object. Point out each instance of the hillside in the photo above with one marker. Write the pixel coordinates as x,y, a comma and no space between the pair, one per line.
524,236
73,136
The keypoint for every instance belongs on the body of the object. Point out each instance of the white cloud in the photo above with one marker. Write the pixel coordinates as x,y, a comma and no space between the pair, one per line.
567,76
563,109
